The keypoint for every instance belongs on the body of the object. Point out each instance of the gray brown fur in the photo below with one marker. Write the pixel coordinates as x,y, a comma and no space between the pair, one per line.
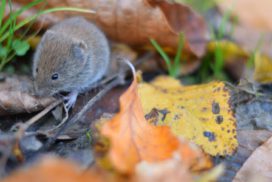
75,49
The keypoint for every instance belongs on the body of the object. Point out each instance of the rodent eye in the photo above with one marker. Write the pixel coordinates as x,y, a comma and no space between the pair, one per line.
55,76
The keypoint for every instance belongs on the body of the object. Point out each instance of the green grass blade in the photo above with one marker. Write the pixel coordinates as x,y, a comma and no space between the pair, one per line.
219,61
2,11
163,55
179,51
31,18
17,13
11,28
222,27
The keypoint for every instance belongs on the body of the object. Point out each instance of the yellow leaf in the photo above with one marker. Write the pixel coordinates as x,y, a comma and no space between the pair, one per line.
263,69
200,113
230,49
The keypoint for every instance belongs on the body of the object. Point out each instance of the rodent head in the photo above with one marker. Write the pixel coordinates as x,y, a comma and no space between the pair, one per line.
58,59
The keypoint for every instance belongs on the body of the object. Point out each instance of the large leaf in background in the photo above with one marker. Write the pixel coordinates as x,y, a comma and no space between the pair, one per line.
255,14
133,139
255,23
134,22
200,113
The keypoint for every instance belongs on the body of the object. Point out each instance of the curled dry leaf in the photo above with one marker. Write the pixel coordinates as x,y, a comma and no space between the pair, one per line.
135,22
258,166
134,140
200,113
15,97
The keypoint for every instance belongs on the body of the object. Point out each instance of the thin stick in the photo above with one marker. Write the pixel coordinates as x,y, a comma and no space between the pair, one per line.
27,124
60,124
89,104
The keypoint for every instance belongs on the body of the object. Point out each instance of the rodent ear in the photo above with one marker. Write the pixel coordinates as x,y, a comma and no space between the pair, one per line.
50,34
79,49
82,45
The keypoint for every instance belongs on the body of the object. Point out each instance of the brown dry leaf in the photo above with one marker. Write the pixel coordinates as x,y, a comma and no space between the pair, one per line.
255,14
134,22
258,166
249,140
15,97
201,113
134,140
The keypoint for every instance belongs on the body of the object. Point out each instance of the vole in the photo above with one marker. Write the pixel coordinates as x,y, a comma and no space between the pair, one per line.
71,56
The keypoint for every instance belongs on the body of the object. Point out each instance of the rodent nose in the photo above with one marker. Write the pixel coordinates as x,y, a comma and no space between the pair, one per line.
38,91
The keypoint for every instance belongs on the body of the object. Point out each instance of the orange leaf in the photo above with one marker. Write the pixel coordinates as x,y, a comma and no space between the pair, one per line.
54,169
169,170
133,139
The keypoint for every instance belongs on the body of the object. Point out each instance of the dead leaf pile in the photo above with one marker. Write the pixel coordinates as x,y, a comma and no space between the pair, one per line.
136,145
163,130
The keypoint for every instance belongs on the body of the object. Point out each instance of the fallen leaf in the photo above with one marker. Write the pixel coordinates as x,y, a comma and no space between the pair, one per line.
16,97
258,165
234,56
256,14
253,40
199,113
263,69
134,22
229,49
51,168
249,140
55,169
172,170
134,140
212,175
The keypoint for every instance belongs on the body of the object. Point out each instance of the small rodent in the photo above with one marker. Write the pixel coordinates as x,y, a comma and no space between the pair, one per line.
71,57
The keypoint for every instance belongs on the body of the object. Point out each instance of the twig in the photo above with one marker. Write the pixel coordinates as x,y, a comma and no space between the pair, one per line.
51,130
24,126
89,104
